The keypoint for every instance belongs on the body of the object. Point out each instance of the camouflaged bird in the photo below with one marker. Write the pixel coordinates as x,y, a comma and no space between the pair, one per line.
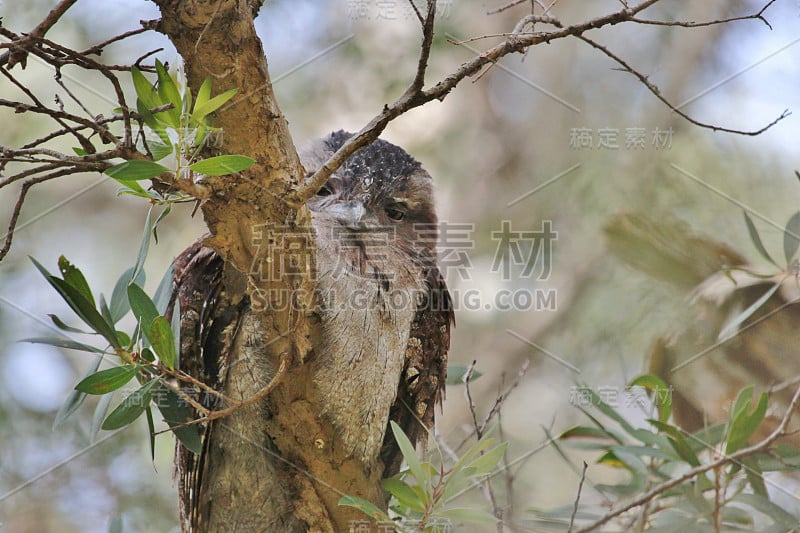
382,303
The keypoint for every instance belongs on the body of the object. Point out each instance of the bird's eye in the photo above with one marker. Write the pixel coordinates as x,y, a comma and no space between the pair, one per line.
326,190
395,213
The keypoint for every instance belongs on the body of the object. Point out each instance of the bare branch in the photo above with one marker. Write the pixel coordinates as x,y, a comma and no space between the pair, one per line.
657,93
577,498
515,42
19,52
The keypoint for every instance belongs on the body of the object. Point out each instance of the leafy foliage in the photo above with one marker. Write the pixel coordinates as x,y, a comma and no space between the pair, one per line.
422,495
148,354
180,128
660,452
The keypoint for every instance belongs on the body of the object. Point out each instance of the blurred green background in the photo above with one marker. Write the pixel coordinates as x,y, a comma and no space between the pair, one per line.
506,135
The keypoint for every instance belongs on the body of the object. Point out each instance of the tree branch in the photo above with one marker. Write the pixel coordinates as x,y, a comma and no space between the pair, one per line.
762,446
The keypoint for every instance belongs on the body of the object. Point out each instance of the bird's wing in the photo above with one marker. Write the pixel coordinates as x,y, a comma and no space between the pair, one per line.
209,317
422,383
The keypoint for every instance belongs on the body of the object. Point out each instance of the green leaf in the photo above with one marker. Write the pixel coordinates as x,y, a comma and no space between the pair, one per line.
144,247
159,150
61,325
100,412
131,407
133,189
145,90
744,424
120,306
63,343
156,122
734,324
79,151
366,507
678,442
208,107
755,477
107,380
661,391
403,493
176,412
151,430
147,355
203,93
161,217
82,307
160,336
115,524
456,374
222,165
756,238
75,277
169,93
136,170
409,454
143,307
584,432
791,237
164,290
75,398
487,462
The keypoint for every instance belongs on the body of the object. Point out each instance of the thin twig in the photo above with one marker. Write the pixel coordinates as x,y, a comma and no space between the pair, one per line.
657,93
577,498
18,53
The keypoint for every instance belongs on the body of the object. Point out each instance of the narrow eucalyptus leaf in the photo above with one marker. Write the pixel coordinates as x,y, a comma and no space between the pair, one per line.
130,408
756,239
136,170
75,278
791,237
75,398
107,380
222,165
161,339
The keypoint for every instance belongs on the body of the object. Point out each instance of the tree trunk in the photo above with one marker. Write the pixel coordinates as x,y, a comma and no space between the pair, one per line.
269,466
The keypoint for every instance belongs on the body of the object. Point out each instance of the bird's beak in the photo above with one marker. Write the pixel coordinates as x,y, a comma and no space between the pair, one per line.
350,215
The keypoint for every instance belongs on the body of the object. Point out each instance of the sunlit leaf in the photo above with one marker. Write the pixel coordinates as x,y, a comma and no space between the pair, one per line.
169,93
366,507
409,454
744,423
144,89
661,391
222,165
209,106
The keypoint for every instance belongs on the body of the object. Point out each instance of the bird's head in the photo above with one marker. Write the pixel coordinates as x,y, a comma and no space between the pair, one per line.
379,189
